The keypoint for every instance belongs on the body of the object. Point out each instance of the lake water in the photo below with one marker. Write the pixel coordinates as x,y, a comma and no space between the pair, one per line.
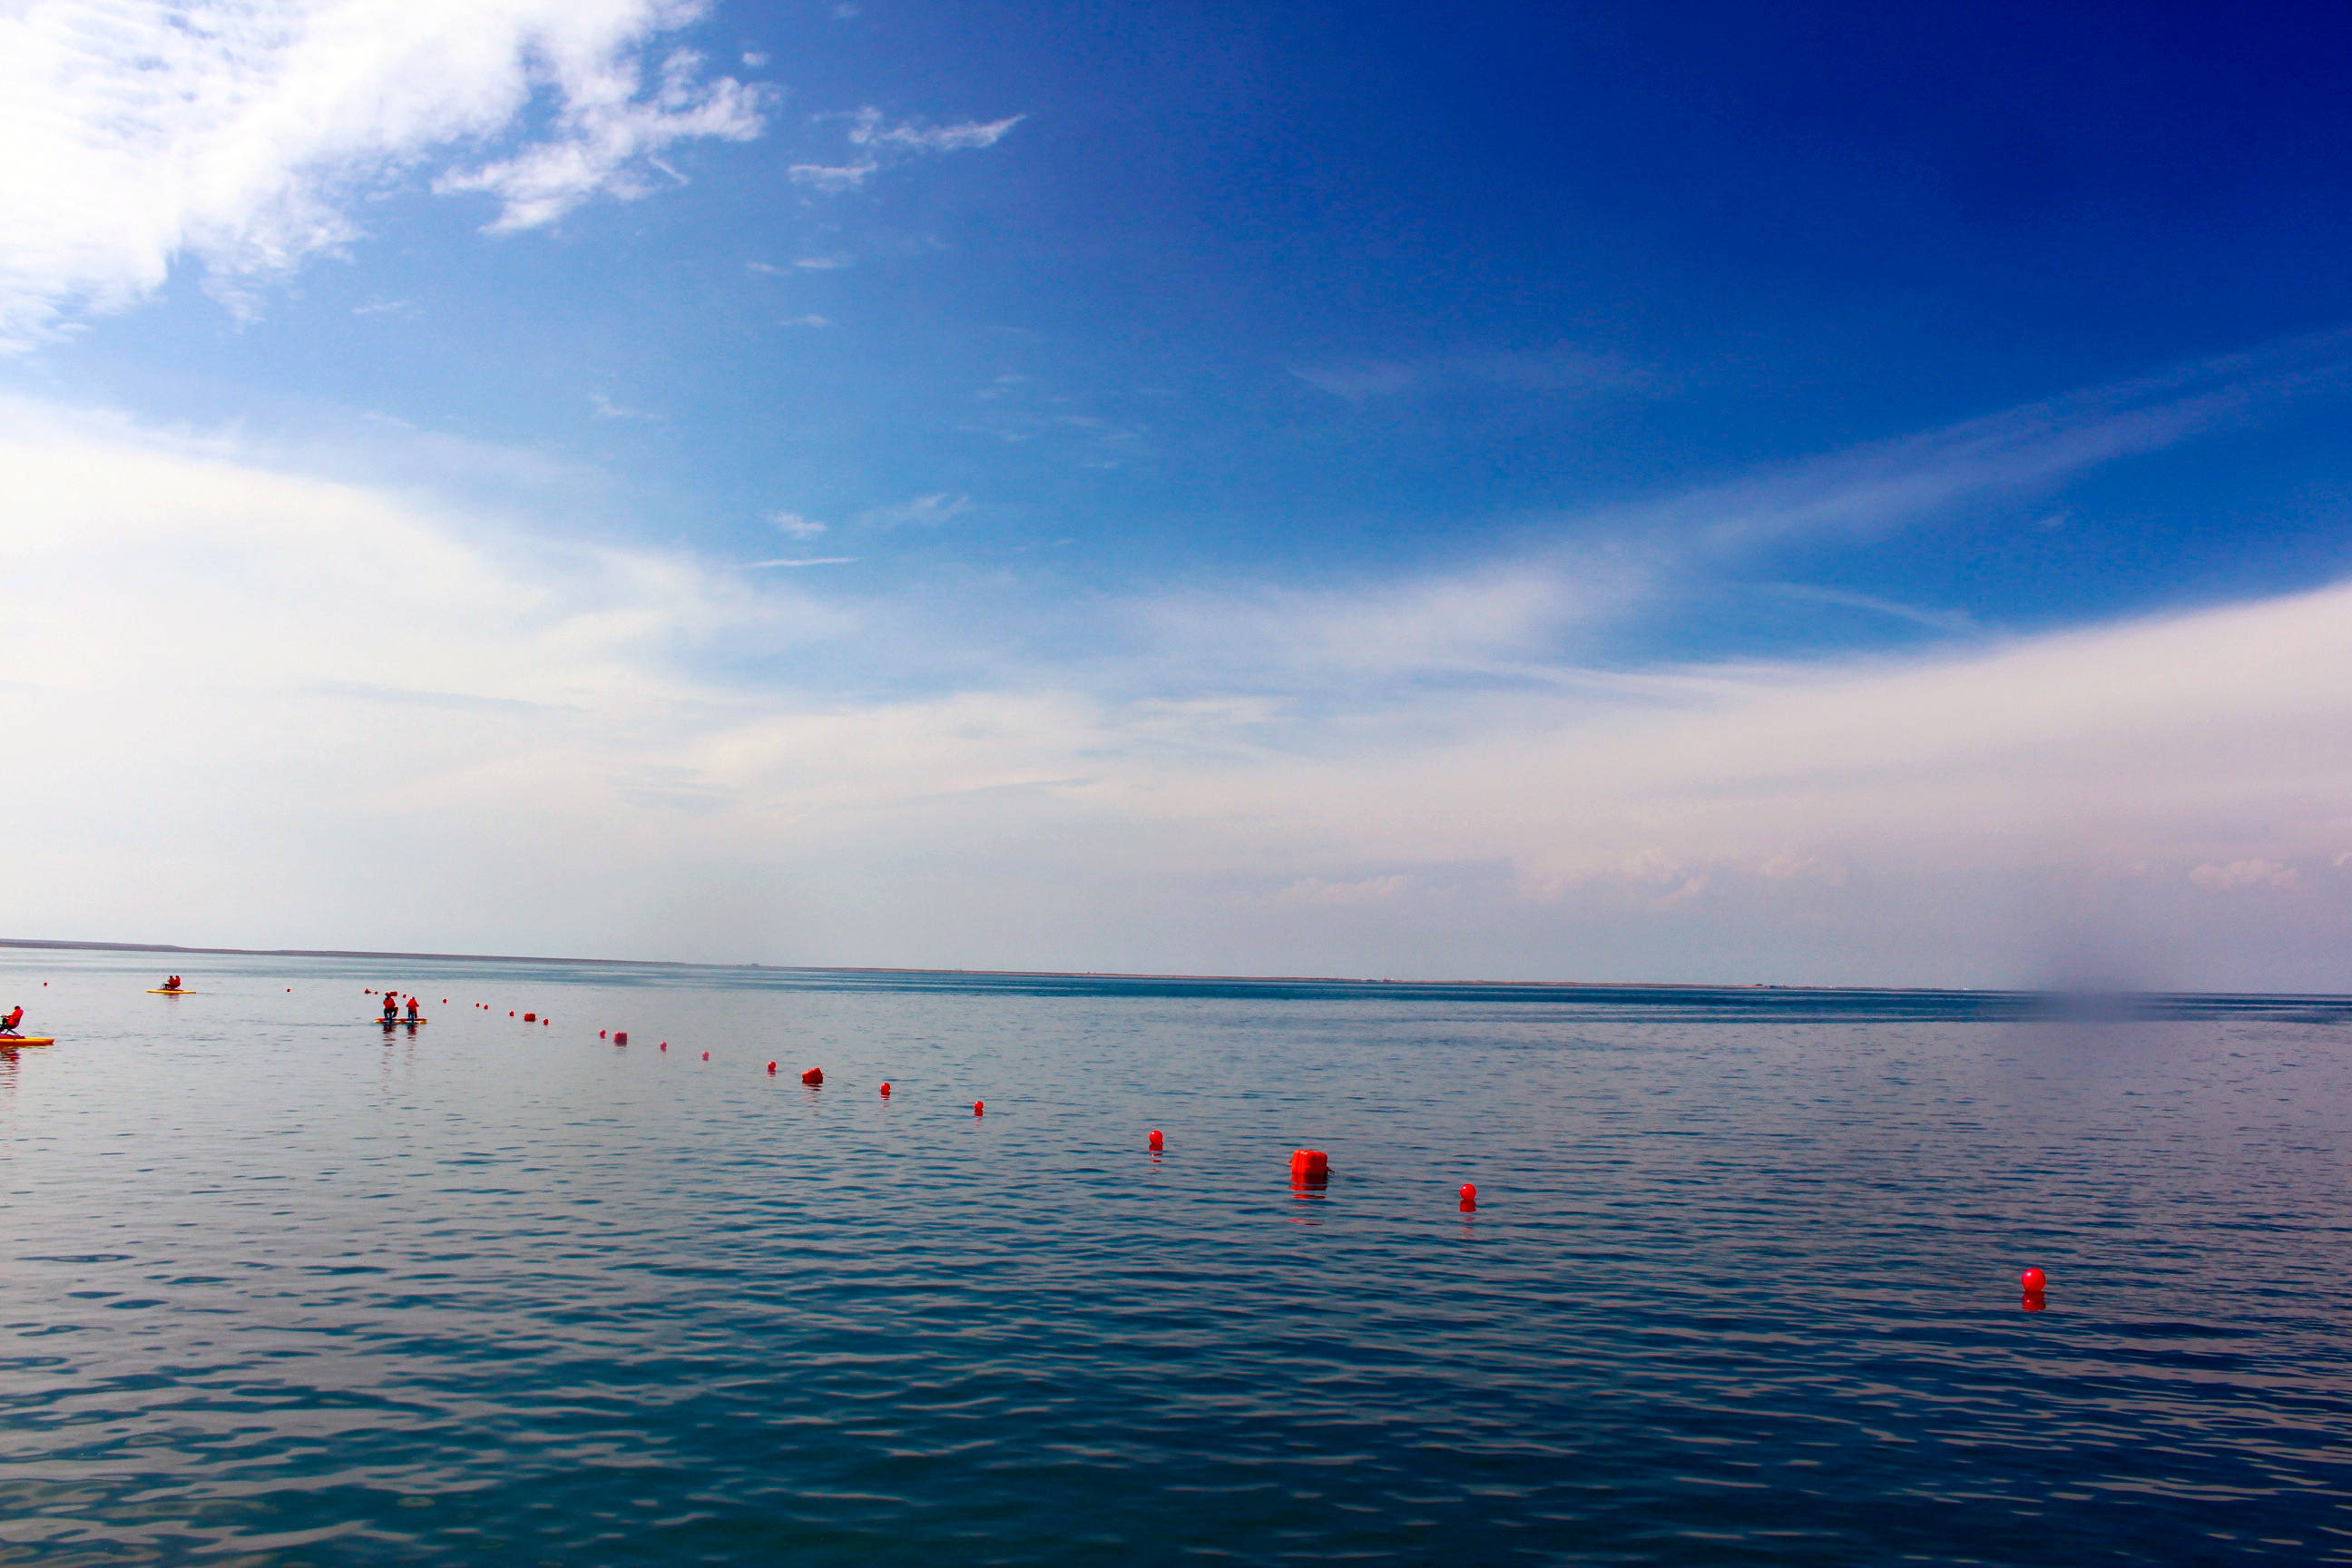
1741,1284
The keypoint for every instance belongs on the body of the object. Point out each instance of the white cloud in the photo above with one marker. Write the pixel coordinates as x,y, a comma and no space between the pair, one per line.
805,321
884,144
604,407
608,140
868,130
240,133
1364,891
804,561
2245,874
794,526
923,511
831,179
767,771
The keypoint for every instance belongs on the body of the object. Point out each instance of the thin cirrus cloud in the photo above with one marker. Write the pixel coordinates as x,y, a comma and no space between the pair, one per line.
881,144
242,134
932,511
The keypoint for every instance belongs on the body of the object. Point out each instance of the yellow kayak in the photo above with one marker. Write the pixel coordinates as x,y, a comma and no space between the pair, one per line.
182,991
10,1042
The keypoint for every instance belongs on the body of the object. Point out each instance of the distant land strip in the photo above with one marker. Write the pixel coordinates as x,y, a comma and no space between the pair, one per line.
992,973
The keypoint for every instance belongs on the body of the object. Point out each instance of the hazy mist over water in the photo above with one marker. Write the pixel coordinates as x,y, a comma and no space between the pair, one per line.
283,1288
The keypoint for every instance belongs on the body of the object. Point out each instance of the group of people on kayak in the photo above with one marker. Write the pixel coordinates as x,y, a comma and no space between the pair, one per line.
392,1008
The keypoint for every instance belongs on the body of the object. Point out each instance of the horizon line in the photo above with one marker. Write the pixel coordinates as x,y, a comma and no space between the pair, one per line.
54,944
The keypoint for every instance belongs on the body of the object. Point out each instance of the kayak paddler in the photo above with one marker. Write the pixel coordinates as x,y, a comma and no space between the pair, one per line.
412,1009
390,1007
8,1025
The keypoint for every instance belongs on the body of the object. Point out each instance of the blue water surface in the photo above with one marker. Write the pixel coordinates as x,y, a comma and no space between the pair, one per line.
283,1288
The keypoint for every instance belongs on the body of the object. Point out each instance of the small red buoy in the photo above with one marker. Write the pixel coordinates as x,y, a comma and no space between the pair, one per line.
771,1068
1469,1196
1156,1139
2034,1280
706,1055
980,1108
665,1045
510,1011
1309,1166
600,1034
886,1091
813,1077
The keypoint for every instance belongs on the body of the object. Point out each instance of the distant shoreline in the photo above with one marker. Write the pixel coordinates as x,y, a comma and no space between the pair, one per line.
995,973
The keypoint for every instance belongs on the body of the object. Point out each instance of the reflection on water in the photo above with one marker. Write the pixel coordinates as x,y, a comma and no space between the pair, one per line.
284,1286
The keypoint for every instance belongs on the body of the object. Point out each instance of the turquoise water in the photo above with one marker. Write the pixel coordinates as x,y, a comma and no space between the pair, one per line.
1740,1288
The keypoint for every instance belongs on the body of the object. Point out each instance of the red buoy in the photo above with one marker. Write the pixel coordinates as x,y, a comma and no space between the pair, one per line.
771,1068
886,1091
706,1055
1156,1139
665,1045
600,1034
813,1077
980,1108
1309,1166
620,1037
2034,1280
1469,1196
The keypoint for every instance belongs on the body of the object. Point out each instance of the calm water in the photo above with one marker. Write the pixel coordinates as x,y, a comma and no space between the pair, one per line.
1741,1288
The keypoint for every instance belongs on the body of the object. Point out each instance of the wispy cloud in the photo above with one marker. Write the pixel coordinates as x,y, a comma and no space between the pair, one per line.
608,138
245,137
1562,369
868,129
882,144
794,526
922,511
604,407
1416,773
800,264
1895,609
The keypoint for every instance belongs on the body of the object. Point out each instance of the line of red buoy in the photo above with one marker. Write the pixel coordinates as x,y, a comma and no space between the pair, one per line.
1308,1167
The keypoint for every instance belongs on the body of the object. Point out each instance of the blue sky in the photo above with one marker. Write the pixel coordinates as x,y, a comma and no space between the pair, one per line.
1189,486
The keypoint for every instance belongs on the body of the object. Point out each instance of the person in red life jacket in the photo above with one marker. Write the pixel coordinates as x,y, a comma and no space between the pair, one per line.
8,1025
412,1009
390,1007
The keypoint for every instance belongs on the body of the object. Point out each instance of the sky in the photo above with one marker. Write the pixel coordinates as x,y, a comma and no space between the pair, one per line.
1799,494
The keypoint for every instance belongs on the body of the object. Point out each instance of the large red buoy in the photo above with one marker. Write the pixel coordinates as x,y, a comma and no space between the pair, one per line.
620,1037
1309,1166
1469,1196
1157,1141
813,1077
980,1108
2034,1280
886,1091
